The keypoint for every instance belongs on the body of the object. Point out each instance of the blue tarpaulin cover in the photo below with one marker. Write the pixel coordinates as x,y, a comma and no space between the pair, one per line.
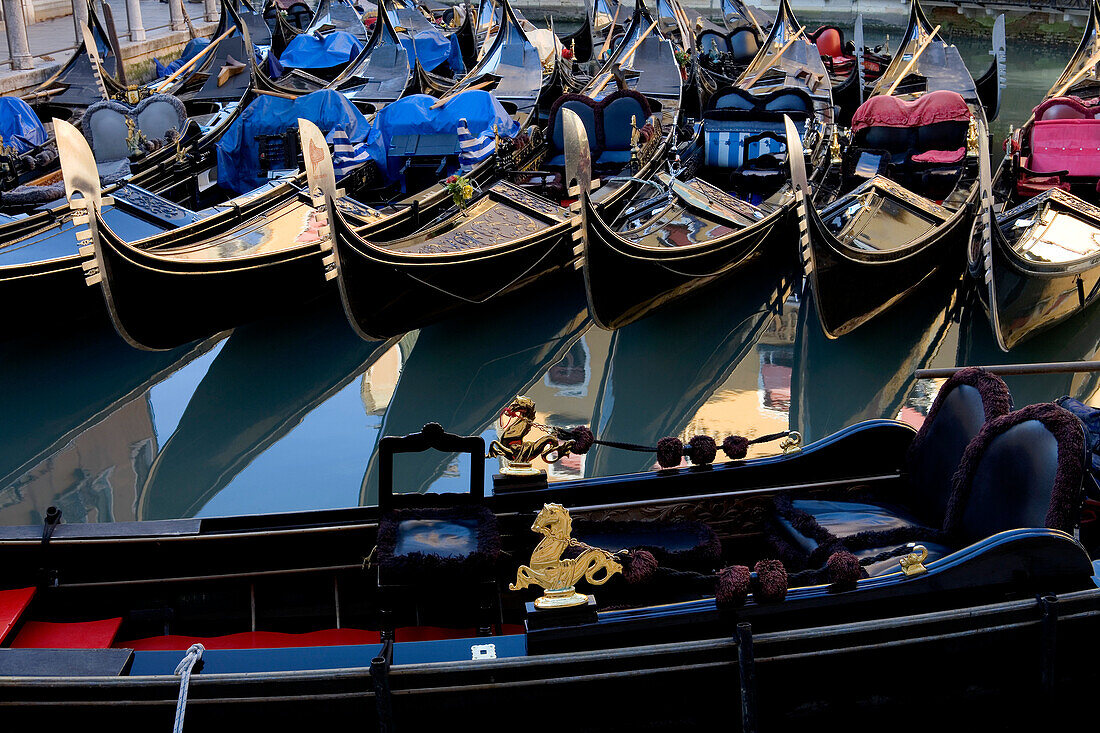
309,52
19,125
238,154
431,47
190,51
413,116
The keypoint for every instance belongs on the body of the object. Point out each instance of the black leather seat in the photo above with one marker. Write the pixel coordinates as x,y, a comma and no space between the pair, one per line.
815,529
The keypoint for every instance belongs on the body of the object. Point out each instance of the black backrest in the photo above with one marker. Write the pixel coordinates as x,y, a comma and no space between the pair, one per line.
1024,469
431,436
964,404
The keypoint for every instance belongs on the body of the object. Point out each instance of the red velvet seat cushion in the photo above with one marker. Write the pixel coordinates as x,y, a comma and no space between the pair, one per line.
939,156
255,640
930,108
829,42
78,635
1066,145
12,604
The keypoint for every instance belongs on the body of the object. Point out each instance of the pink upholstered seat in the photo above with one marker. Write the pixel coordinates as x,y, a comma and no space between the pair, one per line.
1071,145
886,111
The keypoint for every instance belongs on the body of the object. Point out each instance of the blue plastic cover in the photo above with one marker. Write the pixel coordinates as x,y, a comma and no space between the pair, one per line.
307,51
413,116
430,46
19,125
238,154
190,51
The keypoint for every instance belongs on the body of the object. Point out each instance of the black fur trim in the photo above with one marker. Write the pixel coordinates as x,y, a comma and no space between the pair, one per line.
1066,494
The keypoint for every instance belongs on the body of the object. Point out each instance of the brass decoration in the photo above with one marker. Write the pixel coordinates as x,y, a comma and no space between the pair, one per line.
135,138
972,137
913,563
792,442
557,575
517,452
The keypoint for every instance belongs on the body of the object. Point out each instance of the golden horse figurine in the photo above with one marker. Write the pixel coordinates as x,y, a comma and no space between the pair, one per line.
557,575
512,445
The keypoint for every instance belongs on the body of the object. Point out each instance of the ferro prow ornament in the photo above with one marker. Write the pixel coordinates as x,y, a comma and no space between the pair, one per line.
556,575
512,446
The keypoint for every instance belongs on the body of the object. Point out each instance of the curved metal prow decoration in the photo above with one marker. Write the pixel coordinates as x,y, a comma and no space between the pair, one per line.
862,79
82,190
980,252
999,54
578,155
796,159
322,187
93,56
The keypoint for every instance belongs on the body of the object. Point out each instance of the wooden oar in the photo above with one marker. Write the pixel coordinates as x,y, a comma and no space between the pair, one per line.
626,55
920,50
282,95
1056,367
610,32
193,61
782,50
443,100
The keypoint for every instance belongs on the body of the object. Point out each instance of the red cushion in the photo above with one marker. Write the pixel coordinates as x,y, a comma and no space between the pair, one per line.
1065,108
940,156
12,604
885,111
255,640
828,42
1066,145
80,635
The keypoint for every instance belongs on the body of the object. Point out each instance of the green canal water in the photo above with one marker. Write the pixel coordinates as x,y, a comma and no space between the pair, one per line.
286,414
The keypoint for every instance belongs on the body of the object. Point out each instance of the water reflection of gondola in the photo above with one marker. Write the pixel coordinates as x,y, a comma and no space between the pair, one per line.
58,382
267,377
662,369
463,372
1077,338
869,372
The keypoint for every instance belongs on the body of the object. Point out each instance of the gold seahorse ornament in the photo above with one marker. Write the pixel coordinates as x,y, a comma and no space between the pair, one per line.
558,576
516,422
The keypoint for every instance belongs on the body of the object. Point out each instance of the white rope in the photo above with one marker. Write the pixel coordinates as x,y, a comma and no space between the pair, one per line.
186,665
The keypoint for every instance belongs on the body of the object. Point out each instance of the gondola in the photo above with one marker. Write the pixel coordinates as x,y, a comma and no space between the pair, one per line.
899,211
296,617
516,232
732,202
266,378
39,258
264,251
1032,252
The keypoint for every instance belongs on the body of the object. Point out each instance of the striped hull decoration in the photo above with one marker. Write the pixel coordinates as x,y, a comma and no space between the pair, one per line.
472,150
346,155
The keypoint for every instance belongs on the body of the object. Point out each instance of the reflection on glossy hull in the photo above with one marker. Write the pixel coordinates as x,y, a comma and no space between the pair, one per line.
463,372
1076,339
62,382
265,379
661,370
869,373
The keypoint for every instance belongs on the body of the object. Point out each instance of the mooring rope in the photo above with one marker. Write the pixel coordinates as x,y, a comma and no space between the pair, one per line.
185,667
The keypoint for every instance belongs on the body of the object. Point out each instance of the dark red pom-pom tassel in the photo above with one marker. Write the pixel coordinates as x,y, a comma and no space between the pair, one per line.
771,581
733,586
669,452
842,569
582,438
701,450
638,566
736,447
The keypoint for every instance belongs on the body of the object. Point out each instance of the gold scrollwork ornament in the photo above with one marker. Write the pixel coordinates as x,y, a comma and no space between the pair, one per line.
556,575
